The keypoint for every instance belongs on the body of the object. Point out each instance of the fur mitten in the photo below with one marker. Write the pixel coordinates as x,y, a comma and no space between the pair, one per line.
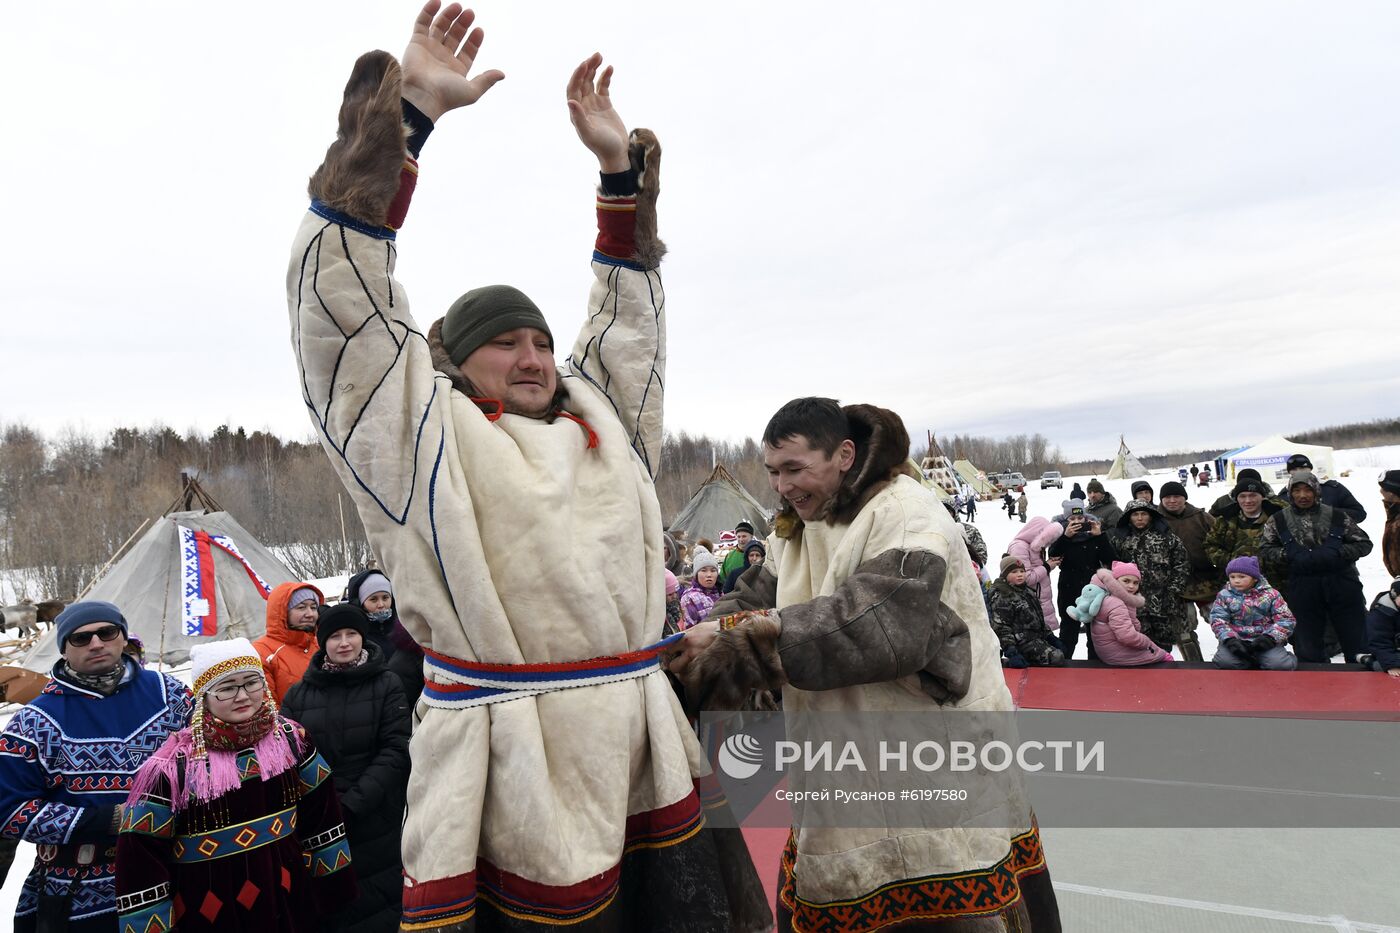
1086,607
644,152
739,661
360,174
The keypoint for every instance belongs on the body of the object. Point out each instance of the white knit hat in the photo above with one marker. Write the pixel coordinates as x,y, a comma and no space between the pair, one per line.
212,661
703,559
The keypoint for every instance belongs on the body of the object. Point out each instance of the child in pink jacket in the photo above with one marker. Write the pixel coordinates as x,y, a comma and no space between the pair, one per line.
1116,631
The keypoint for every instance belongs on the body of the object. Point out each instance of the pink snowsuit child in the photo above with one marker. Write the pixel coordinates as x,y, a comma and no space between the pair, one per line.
1028,547
1116,631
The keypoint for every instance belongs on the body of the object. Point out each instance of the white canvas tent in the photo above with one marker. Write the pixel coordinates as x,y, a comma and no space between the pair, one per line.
718,505
975,478
1125,465
1271,454
146,585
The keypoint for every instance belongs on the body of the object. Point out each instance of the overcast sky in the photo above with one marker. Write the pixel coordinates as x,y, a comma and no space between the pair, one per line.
1176,221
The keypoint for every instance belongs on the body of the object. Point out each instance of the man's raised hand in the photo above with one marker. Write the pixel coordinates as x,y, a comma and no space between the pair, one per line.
593,116
437,60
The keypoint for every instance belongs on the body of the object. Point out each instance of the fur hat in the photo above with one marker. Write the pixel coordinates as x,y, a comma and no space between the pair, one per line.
486,312
1303,478
703,559
1073,507
212,661
1249,565
86,613
1094,486
672,584
1172,488
1139,486
1390,480
1009,563
1123,569
342,615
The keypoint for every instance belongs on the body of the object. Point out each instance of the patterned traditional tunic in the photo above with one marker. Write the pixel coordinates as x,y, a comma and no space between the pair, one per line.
269,856
66,760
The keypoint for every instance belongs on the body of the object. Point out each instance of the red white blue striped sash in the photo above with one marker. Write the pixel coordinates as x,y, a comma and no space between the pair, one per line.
458,684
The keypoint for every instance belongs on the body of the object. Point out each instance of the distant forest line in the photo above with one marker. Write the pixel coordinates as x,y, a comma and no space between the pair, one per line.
68,502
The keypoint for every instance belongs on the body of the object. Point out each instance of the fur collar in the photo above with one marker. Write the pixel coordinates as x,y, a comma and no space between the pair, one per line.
443,364
1109,582
882,453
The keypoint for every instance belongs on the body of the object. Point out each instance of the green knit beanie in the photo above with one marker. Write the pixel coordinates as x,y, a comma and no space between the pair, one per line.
485,312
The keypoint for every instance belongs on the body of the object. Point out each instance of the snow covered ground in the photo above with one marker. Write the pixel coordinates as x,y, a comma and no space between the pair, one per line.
1364,464
1117,880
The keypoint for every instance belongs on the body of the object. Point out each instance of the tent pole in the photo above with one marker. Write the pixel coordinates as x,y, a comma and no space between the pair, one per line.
344,541
115,554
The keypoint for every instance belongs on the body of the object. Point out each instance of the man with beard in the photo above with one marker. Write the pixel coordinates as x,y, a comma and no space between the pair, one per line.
555,780
1314,547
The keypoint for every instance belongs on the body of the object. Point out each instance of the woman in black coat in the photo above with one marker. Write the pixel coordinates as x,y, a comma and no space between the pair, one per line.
372,592
355,711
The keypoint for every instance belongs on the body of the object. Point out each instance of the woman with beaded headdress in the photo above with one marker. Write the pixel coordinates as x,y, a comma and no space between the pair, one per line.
234,823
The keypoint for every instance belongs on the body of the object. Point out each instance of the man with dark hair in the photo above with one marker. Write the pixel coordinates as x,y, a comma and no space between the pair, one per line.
1218,507
550,757
1329,492
1083,549
1102,506
1191,525
743,534
1313,548
1141,490
66,764
867,602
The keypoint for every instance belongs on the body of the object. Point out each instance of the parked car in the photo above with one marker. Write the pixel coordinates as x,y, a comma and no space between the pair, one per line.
1052,478
1010,480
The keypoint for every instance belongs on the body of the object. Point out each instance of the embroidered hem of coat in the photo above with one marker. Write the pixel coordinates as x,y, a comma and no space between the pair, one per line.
934,897
444,902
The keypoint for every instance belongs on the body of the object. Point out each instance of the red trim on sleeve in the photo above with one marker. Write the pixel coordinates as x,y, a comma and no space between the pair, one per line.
398,208
617,223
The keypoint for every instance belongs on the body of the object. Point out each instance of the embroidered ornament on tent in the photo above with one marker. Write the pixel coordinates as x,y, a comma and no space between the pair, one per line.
199,608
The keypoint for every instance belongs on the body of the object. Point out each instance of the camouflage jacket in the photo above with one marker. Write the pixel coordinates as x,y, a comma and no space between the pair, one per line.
1233,535
1015,614
1320,541
1163,562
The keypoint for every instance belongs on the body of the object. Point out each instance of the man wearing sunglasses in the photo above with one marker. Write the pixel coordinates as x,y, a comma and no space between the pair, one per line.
66,764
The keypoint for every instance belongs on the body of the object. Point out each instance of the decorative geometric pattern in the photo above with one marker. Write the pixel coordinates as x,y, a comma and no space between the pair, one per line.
231,840
250,663
199,612
936,897
148,817
247,895
210,906
312,773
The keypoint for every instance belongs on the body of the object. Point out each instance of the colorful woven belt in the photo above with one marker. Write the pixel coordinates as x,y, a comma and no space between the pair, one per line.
462,684
231,840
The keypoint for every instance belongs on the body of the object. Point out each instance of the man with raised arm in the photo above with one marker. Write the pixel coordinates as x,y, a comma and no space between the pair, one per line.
555,781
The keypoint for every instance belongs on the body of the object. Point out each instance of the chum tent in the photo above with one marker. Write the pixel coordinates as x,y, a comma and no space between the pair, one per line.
193,576
1270,455
1125,465
718,505
969,474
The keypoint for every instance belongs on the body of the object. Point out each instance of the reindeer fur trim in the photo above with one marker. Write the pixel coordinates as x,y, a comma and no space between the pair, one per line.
360,174
738,662
882,453
644,152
